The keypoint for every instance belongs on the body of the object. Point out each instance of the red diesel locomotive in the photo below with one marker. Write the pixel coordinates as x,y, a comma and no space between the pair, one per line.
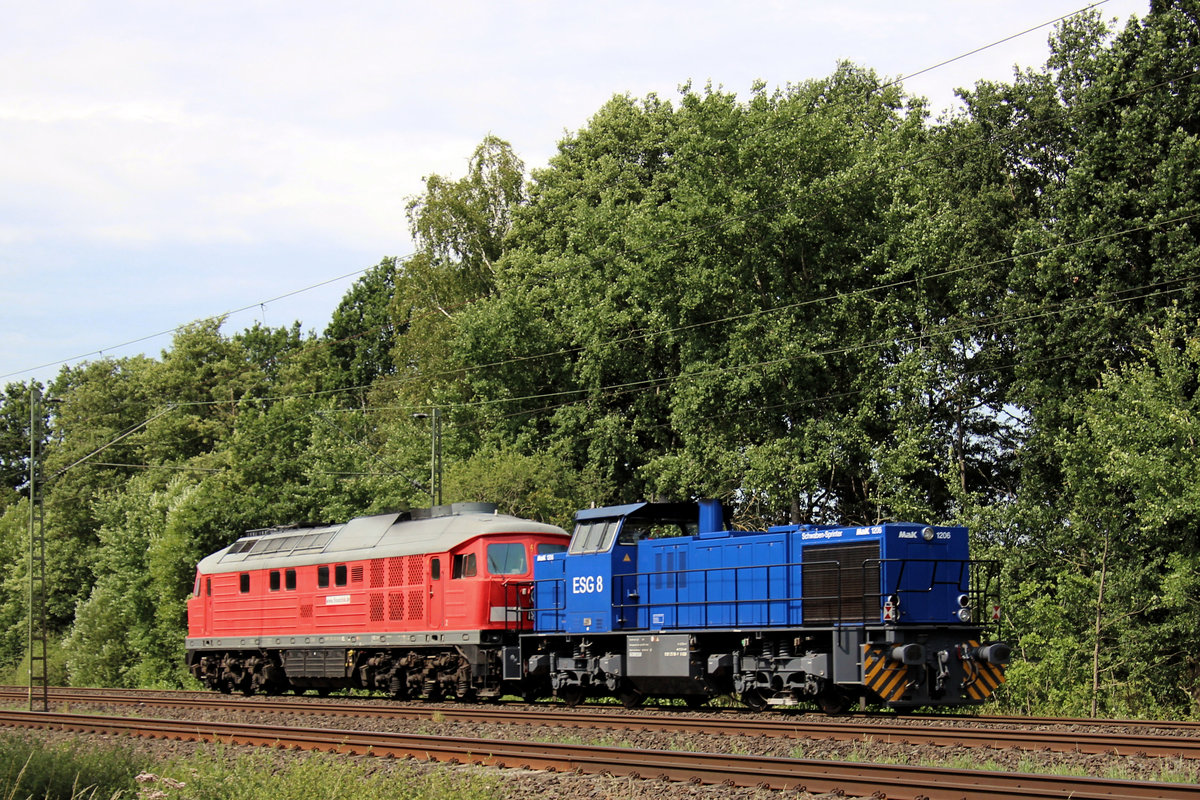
421,603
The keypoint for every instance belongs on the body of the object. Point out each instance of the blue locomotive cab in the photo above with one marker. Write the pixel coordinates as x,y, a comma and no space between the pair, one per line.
596,586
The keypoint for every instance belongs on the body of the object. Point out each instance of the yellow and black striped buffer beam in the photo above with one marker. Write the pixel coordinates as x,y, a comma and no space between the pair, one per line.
981,678
884,676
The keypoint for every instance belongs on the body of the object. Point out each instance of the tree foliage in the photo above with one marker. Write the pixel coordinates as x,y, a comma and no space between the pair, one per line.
812,302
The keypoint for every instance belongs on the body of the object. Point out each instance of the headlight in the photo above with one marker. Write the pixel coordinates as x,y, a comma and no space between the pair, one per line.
927,534
963,601
964,615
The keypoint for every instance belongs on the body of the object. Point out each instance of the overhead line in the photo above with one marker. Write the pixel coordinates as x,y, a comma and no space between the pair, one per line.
762,312
149,336
940,64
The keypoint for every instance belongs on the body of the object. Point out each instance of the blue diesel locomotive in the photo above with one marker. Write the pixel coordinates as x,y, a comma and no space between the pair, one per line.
664,600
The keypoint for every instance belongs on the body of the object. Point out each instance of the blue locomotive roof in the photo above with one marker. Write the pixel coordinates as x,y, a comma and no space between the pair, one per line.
608,511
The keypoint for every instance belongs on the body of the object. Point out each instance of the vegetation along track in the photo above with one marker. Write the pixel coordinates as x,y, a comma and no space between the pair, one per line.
1121,738
858,779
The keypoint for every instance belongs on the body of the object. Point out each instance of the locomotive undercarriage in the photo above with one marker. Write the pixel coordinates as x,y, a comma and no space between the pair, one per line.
464,672
832,668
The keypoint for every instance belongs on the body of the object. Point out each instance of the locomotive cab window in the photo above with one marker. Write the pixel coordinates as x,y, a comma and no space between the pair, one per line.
244,582
274,580
208,586
634,532
545,548
323,577
435,569
289,579
339,575
464,566
507,559
594,537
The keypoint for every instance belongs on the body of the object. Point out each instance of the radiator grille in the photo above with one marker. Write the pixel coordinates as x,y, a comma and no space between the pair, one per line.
416,604
396,571
841,582
395,606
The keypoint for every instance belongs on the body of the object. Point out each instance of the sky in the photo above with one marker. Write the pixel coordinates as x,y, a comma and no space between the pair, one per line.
163,162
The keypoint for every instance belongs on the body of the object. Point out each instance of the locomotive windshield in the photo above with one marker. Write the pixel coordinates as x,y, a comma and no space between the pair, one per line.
507,558
598,535
594,536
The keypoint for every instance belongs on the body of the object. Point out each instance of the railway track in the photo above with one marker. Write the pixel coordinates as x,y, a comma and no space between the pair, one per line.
857,779
1117,740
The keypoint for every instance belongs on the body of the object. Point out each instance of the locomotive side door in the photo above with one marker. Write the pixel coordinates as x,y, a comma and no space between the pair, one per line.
206,597
434,607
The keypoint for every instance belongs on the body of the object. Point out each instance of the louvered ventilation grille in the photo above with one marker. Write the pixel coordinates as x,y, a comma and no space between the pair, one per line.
841,582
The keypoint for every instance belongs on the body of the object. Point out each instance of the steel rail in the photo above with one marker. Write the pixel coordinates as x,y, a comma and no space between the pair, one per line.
1116,744
896,782
783,716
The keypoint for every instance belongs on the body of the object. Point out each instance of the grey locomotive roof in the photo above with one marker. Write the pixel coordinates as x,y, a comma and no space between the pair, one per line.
380,536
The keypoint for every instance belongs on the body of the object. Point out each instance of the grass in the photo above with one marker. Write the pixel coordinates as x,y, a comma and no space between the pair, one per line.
212,774
32,770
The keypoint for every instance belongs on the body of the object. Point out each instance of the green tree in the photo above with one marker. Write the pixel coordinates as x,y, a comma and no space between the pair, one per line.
362,333
1119,572
14,439
694,301
460,228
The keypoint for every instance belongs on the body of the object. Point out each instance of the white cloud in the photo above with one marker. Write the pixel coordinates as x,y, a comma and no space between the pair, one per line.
264,145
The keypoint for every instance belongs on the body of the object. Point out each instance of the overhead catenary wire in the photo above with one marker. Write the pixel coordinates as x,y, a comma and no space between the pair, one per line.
261,303
632,387
459,372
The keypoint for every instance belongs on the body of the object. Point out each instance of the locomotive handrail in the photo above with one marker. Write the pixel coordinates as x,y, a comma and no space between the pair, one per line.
967,570
870,603
519,615
901,588
557,606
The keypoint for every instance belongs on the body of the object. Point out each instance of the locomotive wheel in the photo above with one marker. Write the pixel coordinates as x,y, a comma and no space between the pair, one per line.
299,691
323,691
571,696
754,699
694,701
833,702
631,698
